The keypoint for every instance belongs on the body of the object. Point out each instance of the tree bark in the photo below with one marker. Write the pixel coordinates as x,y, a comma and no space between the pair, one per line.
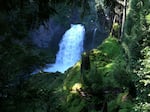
120,2
123,18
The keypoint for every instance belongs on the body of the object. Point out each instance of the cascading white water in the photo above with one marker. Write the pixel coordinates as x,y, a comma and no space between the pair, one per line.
70,49
93,37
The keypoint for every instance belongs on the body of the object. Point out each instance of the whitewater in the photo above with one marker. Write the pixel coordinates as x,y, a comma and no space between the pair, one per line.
70,49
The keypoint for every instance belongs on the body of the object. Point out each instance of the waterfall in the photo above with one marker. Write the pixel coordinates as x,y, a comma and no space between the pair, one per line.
70,49
93,38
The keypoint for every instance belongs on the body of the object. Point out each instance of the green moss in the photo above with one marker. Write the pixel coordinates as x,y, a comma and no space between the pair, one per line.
116,26
76,105
111,47
60,92
73,76
106,61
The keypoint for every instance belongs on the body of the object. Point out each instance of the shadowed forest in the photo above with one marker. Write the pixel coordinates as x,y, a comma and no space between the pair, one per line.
112,74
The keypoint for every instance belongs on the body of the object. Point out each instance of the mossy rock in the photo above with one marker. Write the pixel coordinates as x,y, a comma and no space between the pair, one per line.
61,90
111,47
73,76
104,62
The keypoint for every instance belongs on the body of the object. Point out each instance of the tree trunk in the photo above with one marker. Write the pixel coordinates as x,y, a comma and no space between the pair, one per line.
123,18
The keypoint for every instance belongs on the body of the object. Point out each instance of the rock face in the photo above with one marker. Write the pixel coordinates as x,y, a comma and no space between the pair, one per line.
46,35
50,34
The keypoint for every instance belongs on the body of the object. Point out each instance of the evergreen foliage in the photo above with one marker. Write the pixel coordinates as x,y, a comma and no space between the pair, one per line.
136,43
114,77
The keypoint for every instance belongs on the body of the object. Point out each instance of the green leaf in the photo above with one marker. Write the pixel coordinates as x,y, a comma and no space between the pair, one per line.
147,17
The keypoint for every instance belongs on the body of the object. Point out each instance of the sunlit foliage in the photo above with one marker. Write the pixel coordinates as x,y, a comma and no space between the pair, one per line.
136,43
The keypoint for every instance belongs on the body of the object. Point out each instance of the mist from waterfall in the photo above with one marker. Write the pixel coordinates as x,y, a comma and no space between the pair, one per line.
70,49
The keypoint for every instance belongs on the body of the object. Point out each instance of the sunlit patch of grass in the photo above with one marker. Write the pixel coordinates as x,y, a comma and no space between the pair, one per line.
76,87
